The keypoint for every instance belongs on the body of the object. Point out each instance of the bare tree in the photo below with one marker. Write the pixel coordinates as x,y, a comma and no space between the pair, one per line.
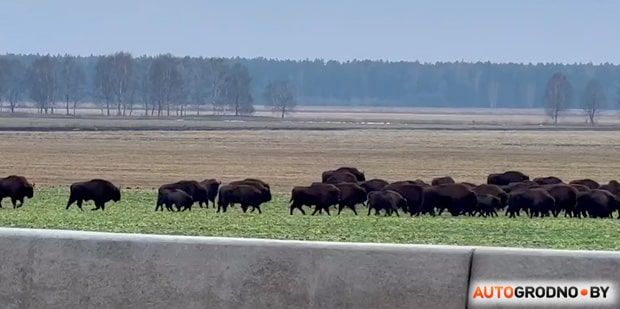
216,72
4,79
557,96
280,95
113,79
593,101
16,83
71,80
165,82
42,82
235,92
122,71
104,81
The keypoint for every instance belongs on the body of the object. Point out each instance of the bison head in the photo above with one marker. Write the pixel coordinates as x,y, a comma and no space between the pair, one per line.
116,194
29,191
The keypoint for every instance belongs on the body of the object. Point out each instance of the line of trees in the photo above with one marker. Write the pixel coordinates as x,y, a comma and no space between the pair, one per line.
166,85
119,84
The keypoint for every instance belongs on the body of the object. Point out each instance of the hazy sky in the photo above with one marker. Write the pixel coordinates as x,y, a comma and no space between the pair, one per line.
494,30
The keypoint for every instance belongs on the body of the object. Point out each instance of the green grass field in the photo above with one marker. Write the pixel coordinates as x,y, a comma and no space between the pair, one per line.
135,214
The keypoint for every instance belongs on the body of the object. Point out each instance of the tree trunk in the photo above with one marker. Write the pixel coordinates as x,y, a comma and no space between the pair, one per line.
67,104
107,105
283,111
74,106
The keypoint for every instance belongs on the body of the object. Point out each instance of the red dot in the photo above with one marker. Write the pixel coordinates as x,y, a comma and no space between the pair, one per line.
584,292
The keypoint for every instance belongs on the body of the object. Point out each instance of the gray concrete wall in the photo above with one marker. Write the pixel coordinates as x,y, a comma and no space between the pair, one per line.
67,269
508,264
70,269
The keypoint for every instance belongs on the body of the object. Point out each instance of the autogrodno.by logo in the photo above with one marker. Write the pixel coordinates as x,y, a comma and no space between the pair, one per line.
528,293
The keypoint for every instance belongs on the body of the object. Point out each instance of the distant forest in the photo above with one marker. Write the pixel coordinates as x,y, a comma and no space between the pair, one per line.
166,80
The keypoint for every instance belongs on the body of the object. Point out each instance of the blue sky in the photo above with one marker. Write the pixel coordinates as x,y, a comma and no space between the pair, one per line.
498,31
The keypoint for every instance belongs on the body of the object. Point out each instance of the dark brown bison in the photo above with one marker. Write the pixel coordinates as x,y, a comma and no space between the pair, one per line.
198,192
244,194
580,188
565,198
413,194
386,200
173,197
374,185
342,176
536,202
419,182
442,181
596,204
320,195
613,187
506,178
586,182
518,186
97,190
488,205
549,180
351,194
16,188
212,186
456,198
359,175
258,184
493,190
469,184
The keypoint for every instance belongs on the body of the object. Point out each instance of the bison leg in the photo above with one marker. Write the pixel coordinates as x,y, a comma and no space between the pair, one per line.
353,208
327,210
340,208
14,202
396,211
316,209
369,210
79,204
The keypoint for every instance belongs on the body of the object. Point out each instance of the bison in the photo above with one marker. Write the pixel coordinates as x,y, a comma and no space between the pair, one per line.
359,176
17,188
586,182
341,177
245,194
456,198
580,188
319,195
193,188
518,186
506,178
565,198
493,190
173,197
212,186
536,201
549,180
351,194
99,191
262,186
413,194
596,204
374,185
387,200
442,181
488,205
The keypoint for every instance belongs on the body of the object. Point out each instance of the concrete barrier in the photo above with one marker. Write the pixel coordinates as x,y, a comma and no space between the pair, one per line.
69,269
533,265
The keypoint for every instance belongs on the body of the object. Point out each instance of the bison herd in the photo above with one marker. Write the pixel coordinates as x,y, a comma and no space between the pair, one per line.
511,192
